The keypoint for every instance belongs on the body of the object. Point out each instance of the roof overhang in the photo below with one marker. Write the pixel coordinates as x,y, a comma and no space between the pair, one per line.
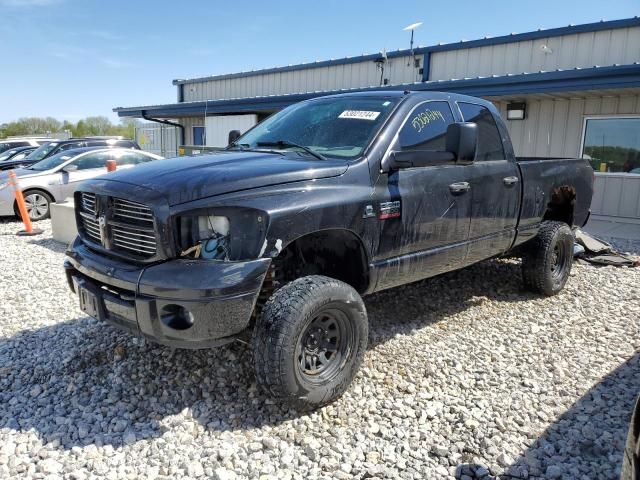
594,78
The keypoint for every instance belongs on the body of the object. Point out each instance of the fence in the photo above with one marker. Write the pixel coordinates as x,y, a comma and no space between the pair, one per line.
159,139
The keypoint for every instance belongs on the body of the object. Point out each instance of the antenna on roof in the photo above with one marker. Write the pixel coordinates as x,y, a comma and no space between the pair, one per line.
411,28
380,62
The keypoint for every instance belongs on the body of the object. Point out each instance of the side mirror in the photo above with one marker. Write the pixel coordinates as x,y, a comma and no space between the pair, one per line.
233,136
70,168
462,141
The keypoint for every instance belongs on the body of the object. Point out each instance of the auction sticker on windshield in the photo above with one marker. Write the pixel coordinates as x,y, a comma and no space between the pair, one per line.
359,114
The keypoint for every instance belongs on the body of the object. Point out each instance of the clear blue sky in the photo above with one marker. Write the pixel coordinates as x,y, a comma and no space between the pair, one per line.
73,58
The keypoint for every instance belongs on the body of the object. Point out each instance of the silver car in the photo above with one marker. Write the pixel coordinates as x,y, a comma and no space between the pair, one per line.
55,178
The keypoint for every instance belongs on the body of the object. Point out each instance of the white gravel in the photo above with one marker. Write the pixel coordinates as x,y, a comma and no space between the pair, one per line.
466,376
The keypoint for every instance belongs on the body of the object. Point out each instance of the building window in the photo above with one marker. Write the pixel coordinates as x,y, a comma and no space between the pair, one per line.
198,136
612,144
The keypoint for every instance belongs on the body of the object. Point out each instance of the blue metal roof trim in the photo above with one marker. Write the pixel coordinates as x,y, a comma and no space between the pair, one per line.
617,76
503,39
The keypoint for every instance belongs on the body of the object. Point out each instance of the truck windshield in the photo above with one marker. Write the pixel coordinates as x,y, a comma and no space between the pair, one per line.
339,127
42,151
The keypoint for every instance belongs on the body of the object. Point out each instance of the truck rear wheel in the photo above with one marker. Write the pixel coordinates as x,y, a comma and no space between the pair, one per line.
546,263
310,341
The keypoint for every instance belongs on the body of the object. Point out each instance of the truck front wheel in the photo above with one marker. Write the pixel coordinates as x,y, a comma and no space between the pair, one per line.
310,341
547,260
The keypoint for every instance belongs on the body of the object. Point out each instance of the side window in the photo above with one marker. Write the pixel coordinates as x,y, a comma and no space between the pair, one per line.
96,160
426,127
489,140
68,146
132,159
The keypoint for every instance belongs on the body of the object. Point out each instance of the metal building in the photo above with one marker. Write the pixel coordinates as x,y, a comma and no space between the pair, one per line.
568,91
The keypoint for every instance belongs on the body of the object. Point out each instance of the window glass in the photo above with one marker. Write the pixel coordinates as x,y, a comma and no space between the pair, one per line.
613,144
489,140
42,151
131,158
340,127
93,160
7,154
426,127
68,146
50,162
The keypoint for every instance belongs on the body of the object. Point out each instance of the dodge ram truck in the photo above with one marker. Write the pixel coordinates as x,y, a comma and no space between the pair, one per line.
275,240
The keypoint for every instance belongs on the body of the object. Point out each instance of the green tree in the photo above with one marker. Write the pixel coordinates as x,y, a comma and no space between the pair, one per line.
95,125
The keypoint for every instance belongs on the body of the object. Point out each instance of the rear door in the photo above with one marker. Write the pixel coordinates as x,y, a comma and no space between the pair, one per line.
423,212
495,187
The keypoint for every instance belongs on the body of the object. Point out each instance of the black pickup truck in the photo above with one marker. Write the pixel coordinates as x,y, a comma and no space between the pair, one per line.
277,238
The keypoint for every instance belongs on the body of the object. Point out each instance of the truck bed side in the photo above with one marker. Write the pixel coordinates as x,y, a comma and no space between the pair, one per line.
553,189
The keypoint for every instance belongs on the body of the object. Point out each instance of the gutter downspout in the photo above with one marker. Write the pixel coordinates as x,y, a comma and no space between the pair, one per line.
166,122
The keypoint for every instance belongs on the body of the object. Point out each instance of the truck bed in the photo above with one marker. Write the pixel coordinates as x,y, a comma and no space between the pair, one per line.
546,179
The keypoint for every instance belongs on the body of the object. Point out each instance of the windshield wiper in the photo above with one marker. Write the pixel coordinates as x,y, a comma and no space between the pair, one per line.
241,146
288,144
245,147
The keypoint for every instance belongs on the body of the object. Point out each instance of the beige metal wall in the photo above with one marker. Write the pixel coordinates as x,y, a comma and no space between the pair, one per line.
351,75
553,127
606,47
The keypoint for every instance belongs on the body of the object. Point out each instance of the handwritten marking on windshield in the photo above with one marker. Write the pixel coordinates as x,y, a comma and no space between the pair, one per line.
424,118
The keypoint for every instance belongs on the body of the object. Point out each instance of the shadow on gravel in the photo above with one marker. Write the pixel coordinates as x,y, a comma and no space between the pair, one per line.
585,440
49,244
81,382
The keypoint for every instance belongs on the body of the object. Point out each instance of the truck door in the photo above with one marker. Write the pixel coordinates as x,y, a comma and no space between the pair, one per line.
495,188
423,212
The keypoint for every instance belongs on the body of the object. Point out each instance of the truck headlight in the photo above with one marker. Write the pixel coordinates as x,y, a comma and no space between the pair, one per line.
224,233
205,236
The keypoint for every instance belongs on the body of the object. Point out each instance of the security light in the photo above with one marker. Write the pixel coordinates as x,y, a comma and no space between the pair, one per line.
516,111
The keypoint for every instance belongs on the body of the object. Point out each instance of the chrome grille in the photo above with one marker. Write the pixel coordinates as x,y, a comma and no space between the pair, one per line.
117,224
132,212
90,227
88,202
134,239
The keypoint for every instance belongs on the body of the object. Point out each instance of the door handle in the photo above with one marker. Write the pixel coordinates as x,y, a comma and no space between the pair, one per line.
459,188
509,181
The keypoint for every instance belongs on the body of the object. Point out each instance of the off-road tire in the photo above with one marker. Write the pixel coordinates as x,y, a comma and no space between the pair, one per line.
282,334
547,259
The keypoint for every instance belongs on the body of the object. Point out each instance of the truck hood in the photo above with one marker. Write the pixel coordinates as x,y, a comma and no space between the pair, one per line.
184,179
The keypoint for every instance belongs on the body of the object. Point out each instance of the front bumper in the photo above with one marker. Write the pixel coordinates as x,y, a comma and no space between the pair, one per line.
182,303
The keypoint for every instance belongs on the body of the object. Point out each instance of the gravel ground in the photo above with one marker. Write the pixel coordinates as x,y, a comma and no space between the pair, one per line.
466,376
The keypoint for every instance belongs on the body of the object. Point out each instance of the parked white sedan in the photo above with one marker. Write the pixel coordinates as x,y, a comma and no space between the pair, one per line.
55,178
